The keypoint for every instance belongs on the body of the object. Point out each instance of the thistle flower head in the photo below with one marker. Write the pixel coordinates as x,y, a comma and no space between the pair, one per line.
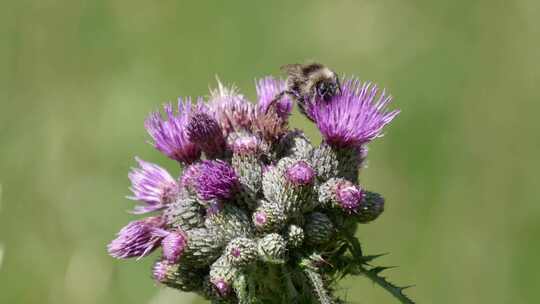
212,179
169,133
268,89
348,196
254,193
260,218
354,117
152,185
371,207
138,238
205,131
241,251
173,246
300,173
246,145
222,287
162,270
232,110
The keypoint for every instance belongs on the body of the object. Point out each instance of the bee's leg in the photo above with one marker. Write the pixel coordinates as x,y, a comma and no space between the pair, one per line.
277,98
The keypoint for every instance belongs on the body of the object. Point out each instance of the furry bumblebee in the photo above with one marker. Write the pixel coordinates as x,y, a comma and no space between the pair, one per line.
305,82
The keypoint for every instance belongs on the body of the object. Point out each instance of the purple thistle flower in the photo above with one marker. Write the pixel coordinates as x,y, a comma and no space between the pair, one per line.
354,117
222,287
160,271
138,239
235,252
246,145
260,218
267,89
211,179
349,196
205,131
232,110
153,185
173,246
300,173
170,135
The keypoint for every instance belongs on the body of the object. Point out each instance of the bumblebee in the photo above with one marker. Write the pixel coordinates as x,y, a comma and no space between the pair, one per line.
306,82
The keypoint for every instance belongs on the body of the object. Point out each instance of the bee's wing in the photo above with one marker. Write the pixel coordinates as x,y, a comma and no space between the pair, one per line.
293,69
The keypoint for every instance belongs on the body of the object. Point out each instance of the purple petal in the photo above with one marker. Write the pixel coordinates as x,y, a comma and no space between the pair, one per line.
153,185
354,117
169,133
267,90
138,238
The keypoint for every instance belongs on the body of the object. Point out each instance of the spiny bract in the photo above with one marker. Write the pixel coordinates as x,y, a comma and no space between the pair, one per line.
259,214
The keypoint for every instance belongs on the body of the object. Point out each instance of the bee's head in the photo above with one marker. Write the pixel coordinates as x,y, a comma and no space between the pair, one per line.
326,89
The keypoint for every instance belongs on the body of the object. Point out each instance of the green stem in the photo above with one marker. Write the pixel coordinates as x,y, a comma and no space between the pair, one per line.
240,287
318,286
292,293
251,288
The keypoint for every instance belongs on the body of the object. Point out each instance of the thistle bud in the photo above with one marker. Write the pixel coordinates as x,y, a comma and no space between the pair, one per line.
222,287
203,246
279,189
295,144
348,196
300,174
273,185
318,228
342,194
177,276
173,246
230,222
269,217
337,162
371,207
325,162
184,214
241,251
245,144
295,236
272,249
222,276
249,171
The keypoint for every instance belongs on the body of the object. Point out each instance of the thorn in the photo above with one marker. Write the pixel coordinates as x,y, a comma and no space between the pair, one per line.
371,257
406,287
379,269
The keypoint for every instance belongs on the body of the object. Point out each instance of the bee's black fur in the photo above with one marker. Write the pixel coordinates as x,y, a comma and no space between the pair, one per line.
305,82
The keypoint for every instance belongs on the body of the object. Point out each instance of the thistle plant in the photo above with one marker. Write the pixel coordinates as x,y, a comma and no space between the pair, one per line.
259,214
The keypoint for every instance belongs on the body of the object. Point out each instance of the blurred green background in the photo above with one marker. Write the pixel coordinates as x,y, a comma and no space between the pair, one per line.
458,167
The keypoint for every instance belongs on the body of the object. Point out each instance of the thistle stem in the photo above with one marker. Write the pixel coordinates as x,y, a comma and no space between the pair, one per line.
292,293
318,286
240,287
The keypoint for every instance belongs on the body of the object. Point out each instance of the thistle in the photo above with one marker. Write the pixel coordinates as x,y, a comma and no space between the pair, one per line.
259,214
